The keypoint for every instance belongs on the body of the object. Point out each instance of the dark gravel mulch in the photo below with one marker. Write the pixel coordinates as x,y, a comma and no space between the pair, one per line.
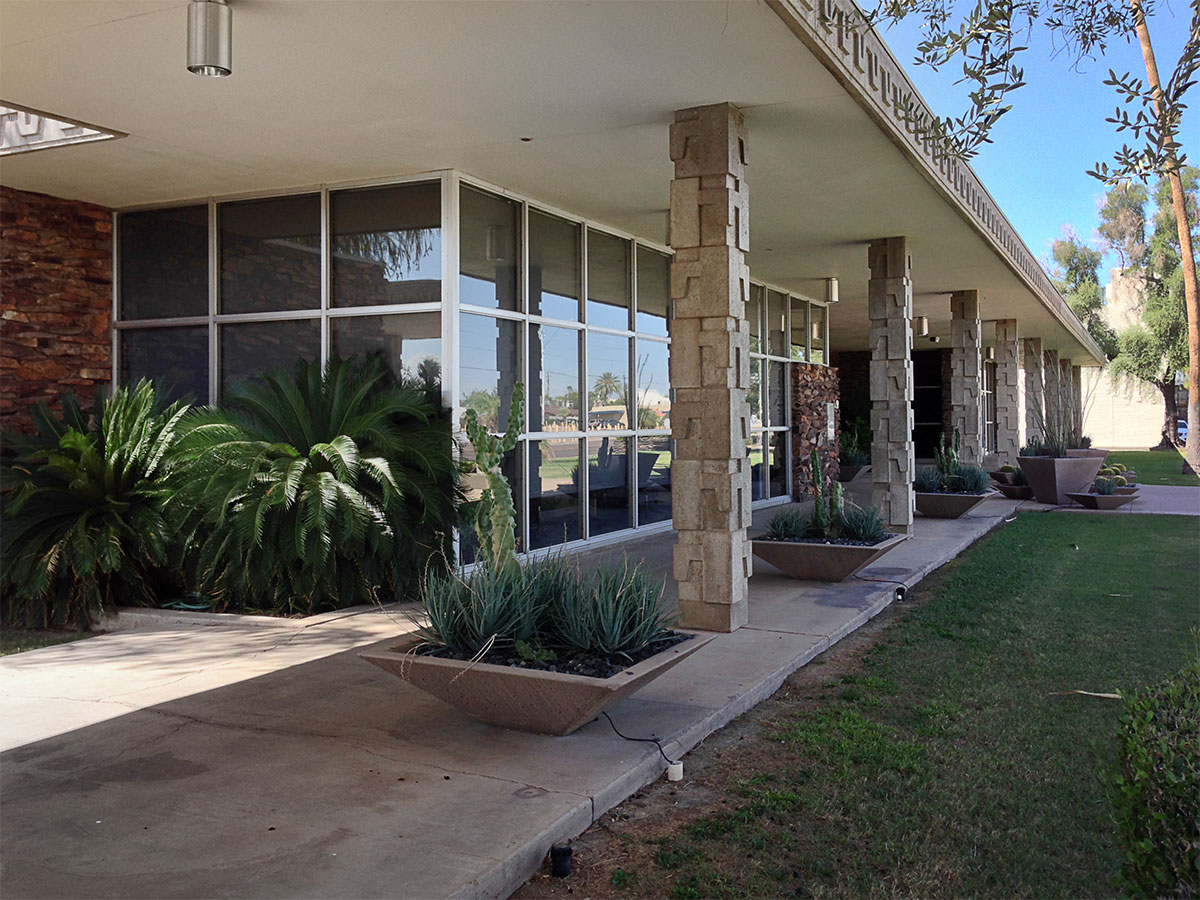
592,665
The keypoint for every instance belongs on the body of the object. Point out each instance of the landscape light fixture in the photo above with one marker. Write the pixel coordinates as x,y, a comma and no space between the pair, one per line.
831,290
210,38
921,325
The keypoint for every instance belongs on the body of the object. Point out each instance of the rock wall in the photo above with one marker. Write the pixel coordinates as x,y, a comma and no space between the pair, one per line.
55,301
813,389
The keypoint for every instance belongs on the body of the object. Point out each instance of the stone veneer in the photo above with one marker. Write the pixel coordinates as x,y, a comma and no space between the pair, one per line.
1035,366
55,302
1008,391
814,388
710,366
966,375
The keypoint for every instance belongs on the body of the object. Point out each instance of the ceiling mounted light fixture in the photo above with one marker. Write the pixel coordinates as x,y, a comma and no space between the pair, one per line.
210,38
831,290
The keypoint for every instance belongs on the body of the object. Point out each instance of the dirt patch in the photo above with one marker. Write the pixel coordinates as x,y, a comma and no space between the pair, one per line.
635,849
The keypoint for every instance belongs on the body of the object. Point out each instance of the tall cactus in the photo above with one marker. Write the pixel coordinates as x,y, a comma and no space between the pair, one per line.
496,516
820,513
837,508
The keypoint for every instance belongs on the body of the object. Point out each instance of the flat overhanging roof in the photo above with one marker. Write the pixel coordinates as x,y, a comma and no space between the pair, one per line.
325,91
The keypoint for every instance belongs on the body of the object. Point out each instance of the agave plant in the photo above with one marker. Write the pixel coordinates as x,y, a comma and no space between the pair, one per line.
317,489
84,513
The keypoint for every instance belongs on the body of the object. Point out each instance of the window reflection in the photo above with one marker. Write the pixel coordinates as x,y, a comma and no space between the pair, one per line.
608,281
754,312
489,368
608,485
608,369
654,479
799,329
553,388
410,344
270,254
489,250
817,332
777,337
248,350
653,291
553,267
554,493
164,263
175,359
653,385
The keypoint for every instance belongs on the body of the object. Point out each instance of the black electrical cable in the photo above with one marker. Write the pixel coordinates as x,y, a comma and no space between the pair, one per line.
883,581
653,741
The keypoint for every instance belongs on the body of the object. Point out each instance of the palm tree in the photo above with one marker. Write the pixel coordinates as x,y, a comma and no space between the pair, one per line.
607,384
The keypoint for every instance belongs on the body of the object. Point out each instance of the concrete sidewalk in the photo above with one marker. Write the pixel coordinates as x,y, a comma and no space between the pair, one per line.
270,761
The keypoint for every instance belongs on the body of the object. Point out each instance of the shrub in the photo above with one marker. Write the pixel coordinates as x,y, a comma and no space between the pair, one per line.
1035,447
1106,486
618,612
1156,790
970,480
928,480
84,510
1019,479
863,523
789,524
855,443
318,489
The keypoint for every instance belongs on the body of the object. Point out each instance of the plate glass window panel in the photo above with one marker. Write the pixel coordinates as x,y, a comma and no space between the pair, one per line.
817,331
164,263
554,267
250,349
755,394
608,281
175,358
777,462
410,344
270,254
554,492
777,394
386,245
653,385
799,329
608,369
610,506
754,314
654,479
473,485
755,451
777,336
653,291
489,250
489,367
553,386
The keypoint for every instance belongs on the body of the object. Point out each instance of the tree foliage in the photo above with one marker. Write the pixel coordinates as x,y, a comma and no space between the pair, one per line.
1076,275
1123,222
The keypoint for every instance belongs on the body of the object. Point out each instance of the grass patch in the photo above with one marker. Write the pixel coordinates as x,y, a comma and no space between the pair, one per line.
18,640
944,764
1156,466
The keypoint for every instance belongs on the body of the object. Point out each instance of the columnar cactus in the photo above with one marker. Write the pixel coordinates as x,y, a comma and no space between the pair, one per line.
820,514
496,516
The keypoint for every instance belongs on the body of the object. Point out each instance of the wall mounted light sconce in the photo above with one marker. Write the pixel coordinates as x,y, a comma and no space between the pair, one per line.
831,290
989,353
921,326
210,38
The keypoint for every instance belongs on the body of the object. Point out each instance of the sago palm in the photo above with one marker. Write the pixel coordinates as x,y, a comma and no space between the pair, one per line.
317,489
84,523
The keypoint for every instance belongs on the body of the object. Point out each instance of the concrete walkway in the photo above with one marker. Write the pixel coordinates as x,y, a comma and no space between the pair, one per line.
251,760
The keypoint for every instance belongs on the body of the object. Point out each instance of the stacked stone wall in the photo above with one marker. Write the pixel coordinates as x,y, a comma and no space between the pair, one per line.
55,302
813,389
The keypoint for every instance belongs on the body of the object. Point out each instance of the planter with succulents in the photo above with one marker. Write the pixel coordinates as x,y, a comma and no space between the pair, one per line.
832,542
950,488
1105,494
539,647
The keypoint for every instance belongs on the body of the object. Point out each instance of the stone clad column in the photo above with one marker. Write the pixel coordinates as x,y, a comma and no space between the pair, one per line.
965,375
1052,393
710,366
1008,391
1035,380
1077,397
890,305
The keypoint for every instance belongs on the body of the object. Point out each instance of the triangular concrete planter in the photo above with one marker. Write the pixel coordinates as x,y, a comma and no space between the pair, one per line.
526,699
1016,491
1088,453
1102,501
809,561
1052,478
947,506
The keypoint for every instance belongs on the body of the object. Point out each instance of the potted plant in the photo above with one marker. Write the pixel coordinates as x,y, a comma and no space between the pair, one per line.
1003,475
854,455
1081,446
831,543
1105,494
949,488
537,647
1051,472
1017,487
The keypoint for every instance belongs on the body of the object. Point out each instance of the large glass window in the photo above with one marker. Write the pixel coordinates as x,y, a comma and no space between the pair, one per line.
817,333
799,329
387,245
473,486
754,315
553,386
554,492
777,335
609,490
489,367
176,359
608,369
489,249
653,380
608,281
251,349
654,479
270,254
653,291
553,267
410,344
164,263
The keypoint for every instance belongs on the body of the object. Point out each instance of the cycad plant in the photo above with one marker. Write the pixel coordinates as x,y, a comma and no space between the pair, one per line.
317,489
84,521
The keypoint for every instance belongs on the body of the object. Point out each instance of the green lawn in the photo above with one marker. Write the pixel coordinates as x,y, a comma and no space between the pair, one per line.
18,641
945,764
1156,466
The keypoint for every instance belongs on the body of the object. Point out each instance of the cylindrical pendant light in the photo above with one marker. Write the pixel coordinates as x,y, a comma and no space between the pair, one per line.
921,325
210,38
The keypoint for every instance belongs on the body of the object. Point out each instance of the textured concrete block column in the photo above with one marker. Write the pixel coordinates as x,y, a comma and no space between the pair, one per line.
1052,393
710,366
1035,380
1077,397
966,368
890,305
1008,391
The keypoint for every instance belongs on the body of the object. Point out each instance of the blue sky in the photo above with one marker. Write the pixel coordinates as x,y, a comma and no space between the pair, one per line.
1042,148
